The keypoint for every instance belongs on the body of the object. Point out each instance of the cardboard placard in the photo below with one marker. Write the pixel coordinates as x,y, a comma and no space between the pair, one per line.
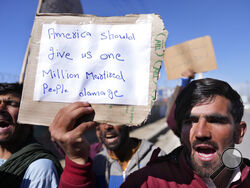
197,55
90,58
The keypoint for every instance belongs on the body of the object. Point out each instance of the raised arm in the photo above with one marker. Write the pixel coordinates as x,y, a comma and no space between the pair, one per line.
67,132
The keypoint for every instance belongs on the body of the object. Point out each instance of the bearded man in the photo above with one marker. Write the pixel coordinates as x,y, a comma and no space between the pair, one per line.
209,118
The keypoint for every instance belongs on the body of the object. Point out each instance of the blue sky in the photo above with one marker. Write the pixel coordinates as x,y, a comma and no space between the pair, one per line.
226,21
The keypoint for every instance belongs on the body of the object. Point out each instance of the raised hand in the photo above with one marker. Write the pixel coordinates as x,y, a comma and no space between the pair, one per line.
68,135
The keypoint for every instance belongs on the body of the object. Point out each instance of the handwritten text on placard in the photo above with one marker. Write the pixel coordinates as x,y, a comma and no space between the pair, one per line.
106,64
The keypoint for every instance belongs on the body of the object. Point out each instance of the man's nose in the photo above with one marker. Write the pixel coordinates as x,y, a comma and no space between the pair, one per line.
2,105
203,131
108,126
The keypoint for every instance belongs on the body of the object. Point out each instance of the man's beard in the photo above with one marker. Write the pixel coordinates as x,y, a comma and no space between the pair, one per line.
19,135
206,168
203,168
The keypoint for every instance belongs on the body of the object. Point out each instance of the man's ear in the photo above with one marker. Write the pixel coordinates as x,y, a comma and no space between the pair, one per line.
240,132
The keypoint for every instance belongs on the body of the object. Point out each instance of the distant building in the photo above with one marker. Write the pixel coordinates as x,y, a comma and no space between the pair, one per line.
246,101
164,93
159,109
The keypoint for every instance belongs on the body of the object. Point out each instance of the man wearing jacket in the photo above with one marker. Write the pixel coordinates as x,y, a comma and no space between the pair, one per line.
23,162
208,114
120,156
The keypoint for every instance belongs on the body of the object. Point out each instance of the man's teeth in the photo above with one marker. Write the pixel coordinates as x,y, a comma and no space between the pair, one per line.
205,154
110,136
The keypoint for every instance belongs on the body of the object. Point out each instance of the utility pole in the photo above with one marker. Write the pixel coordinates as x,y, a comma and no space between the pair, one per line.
61,6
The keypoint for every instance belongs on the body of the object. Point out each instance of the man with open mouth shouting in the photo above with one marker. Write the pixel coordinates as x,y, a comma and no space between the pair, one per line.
23,162
208,114
121,155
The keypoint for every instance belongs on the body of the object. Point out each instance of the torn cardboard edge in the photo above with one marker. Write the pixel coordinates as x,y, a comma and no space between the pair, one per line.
43,113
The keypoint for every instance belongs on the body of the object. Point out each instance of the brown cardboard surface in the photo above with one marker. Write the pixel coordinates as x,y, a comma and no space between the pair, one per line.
42,113
197,55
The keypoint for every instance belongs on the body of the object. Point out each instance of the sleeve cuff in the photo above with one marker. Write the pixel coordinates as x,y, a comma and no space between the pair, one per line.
75,175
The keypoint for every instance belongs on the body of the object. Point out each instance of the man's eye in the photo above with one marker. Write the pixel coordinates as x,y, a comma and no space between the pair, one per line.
191,120
13,103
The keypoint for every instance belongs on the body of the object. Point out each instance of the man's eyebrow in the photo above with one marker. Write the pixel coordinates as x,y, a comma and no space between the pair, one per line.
213,118
10,100
217,115
193,116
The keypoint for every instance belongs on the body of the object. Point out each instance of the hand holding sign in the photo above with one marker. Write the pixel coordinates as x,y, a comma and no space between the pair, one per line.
69,137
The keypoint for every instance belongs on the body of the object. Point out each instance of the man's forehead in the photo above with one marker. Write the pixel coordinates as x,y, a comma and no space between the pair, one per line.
218,103
218,107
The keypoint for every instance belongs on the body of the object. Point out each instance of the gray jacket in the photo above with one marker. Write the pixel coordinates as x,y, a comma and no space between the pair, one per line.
109,172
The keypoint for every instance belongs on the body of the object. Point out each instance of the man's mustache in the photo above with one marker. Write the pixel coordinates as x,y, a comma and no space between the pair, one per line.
6,116
207,142
112,132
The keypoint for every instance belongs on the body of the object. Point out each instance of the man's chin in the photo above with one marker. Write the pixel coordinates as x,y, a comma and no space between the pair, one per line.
4,140
112,146
205,168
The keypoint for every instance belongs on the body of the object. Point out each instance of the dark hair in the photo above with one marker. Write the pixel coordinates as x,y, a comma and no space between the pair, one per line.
11,88
203,90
